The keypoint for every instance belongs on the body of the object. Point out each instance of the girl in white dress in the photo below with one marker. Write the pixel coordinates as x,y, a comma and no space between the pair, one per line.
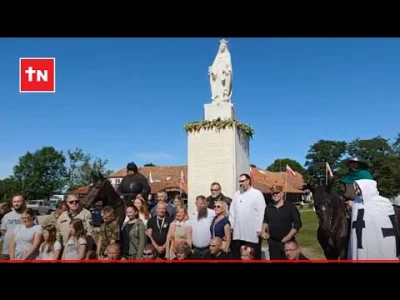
50,249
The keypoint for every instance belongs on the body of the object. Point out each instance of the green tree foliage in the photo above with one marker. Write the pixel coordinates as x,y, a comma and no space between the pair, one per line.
82,168
150,165
9,187
41,173
279,165
383,159
322,152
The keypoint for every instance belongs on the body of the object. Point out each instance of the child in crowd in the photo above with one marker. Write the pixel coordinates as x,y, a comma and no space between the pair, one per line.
247,253
109,231
75,247
50,249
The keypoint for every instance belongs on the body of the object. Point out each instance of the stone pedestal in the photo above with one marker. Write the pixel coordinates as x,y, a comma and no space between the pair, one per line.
216,155
223,110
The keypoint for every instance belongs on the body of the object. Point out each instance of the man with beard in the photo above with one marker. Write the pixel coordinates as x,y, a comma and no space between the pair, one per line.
11,220
216,195
134,183
201,221
246,215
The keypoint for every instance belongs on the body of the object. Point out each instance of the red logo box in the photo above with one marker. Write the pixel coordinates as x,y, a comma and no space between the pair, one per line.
37,75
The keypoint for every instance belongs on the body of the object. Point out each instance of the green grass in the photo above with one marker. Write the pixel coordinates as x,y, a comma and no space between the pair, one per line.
307,236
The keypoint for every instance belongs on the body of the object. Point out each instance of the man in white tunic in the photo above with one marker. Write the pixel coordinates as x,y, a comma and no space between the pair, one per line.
373,224
246,215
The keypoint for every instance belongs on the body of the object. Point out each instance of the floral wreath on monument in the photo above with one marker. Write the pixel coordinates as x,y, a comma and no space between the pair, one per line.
219,124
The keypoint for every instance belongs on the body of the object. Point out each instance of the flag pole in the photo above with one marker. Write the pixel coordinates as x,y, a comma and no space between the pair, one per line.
286,179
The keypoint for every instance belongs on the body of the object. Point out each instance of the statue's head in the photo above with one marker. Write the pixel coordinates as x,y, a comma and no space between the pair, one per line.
223,45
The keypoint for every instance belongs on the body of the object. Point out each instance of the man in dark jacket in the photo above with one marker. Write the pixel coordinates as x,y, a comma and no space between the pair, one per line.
134,183
216,195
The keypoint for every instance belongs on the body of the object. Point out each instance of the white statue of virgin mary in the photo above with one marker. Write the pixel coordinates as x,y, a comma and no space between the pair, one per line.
221,75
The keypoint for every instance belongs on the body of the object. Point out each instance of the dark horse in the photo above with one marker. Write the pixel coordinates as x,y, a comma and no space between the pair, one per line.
102,190
334,225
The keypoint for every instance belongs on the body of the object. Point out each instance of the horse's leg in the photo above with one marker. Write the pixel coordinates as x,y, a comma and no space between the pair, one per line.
327,245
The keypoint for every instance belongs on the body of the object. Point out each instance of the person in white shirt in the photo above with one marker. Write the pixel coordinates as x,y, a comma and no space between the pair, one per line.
246,215
201,221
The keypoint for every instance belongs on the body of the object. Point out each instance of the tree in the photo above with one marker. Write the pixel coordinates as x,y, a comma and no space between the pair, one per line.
382,156
279,165
41,173
8,187
322,152
149,165
396,145
83,167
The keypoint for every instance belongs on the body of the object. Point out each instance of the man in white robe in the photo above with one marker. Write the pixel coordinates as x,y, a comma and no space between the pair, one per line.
373,233
246,215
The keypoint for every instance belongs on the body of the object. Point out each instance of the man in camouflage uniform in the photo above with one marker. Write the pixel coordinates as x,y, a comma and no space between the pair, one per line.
61,206
109,232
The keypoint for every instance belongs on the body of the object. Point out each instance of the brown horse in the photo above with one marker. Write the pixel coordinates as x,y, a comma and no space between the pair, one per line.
334,225
102,190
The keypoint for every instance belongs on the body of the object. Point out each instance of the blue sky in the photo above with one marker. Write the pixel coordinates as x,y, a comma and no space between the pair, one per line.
128,99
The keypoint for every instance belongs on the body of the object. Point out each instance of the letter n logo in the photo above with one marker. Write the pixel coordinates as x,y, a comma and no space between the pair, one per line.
37,75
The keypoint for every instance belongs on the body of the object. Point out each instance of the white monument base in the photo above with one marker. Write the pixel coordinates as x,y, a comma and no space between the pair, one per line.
223,110
216,156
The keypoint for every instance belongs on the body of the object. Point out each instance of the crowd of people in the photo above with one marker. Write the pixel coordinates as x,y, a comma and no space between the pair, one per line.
241,228
246,227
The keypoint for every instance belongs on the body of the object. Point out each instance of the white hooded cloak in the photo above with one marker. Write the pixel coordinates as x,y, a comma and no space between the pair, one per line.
373,225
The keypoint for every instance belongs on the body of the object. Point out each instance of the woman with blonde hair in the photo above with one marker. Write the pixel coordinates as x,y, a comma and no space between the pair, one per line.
220,226
178,204
141,205
179,230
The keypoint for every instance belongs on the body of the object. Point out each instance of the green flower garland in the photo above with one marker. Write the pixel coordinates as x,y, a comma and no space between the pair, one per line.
219,124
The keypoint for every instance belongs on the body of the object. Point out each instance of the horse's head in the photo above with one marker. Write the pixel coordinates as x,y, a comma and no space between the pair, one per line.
96,190
324,207
328,206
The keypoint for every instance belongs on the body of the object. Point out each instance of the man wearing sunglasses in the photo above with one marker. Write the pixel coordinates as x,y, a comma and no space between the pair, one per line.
75,211
216,195
282,221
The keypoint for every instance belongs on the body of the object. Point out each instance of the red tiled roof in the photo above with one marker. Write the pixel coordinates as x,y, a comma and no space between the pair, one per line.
168,178
267,179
